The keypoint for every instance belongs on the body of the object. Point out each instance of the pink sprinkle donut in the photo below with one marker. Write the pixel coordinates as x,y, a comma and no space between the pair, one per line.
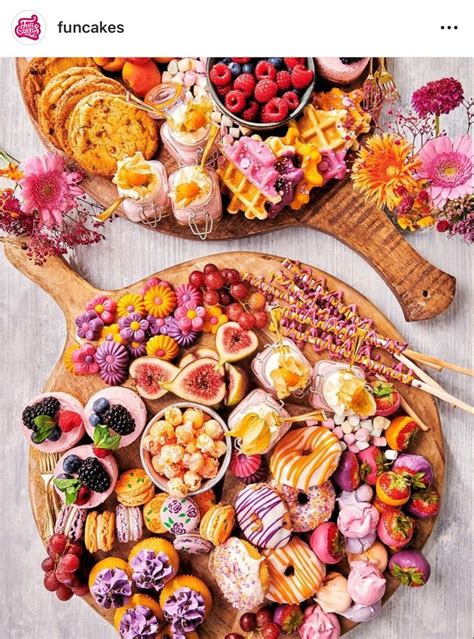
309,509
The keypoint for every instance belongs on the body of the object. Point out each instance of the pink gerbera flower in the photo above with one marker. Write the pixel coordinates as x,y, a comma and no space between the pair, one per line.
48,188
447,164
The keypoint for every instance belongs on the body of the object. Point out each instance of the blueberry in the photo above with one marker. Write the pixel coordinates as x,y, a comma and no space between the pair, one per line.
226,60
94,419
55,434
235,68
247,68
100,405
277,62
71,464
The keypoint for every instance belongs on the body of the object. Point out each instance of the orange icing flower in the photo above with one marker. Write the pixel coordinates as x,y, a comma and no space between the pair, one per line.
131,303
214,318
160,301
114,331
163,347
67,357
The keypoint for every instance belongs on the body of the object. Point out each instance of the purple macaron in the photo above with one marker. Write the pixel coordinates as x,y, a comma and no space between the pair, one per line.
70,522
129,523
192,544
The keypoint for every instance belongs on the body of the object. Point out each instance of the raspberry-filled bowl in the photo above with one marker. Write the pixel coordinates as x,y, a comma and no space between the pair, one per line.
185,449
261,93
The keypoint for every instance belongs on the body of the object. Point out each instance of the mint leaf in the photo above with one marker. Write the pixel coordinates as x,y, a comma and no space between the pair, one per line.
382,389
103,438
45,426
70,488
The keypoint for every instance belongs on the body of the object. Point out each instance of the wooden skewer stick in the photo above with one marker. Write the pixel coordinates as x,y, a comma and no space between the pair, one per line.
435,367
421,373
420,357
409,410
442,394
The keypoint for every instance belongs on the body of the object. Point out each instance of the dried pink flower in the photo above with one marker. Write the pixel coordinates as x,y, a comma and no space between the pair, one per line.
437,97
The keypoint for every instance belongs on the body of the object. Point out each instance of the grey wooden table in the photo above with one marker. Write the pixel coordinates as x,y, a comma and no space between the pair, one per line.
33,335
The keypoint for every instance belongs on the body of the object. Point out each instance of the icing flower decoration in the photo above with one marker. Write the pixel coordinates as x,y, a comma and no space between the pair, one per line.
112,588
112,357
188,293
319,624
214,318
183,336
185,608
384,165
291,375
67,357
190,316
160,300
113,377
437,97
136,349
131,303
104,307
151,570
138,623
358,520
151,281
163,347
448,165
155,324
89,325
366,584
133,327
84,360
111,333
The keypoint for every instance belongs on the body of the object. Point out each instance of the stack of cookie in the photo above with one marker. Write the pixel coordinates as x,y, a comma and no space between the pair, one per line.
85,114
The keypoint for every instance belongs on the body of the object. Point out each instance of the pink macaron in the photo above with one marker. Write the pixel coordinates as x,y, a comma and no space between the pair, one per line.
70,522
192,544
129,523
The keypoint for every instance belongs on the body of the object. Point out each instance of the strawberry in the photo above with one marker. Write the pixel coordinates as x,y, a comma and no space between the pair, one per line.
68,420
424,504
292,62
283,79
395,529
265,70
401,432
251,112
101,452
346,475
327,542
235,101
241,60
387,399
275,110
393,488
220,74
372,463
382,507
301,77
245,83
265,90
288,617
291,99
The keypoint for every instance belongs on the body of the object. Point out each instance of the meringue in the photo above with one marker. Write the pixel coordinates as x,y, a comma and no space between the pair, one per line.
366,584
361,544
333,596
377,555
361,614
319,625
358,520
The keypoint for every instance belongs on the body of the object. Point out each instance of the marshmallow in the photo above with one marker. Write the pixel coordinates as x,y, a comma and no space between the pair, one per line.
379,441
235,132
349,438
362,445
226,121
353,420
185,64
381,422
362,435
338,419
173,67
346,428
391,455
338,432
376,432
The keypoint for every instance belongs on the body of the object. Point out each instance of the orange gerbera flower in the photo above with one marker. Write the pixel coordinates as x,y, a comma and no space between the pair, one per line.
385,167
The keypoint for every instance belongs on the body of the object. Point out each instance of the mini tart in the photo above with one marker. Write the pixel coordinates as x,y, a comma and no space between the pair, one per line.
138,600
191,582
109,563
217,524
157,545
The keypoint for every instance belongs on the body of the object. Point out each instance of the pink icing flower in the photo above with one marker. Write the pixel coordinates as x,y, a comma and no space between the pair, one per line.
188,293
319,624
84,360
358,520
437,97
366,584
447,164
190,316
104,307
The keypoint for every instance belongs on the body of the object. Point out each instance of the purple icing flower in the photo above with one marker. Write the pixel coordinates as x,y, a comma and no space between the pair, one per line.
151,570
138,623
136,349
114,378
191,511
165,325
175,506
185,609
155,324
111,588
89,325
178,529
112,357
184,337
188,293
133,327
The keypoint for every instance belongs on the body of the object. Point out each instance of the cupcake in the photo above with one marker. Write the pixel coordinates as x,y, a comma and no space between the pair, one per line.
185,601
139,619
153,563
110,583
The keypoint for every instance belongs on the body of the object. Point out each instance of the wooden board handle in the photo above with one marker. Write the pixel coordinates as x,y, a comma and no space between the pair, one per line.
423,290
55,276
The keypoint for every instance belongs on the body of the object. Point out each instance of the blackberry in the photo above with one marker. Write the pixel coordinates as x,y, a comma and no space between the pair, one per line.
119,419
47,406
93,475
349,60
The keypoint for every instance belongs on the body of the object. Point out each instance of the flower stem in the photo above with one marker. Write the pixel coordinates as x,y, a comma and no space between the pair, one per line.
437,124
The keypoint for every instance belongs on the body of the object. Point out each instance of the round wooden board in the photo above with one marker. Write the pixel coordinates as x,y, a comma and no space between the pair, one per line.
71,293
422,290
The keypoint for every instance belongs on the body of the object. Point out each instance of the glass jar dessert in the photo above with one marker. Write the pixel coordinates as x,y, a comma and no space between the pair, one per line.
282,369
338,388
257,423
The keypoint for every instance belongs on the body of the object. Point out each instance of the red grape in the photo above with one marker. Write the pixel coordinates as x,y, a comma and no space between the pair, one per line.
233,311
248,622
234,635
196,278
76,549
257,301
246,320
239,291
264,615
56,544
214,280
270,630
48,564
211,297
209,268
261,319
50,581
69,563
63,593
224,298
232,276
63,577
81,590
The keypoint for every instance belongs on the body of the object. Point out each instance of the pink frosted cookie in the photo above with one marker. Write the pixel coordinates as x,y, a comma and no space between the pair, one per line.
74,477
118,408
341,70
56,417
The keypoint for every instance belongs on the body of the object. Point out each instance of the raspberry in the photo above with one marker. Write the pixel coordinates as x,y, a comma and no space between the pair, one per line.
265,90
220,74
245,83
291,99
283,79
235,101
68,420
301,77
251,112
292,62
223,91
241,60
275,110
265,70
101,452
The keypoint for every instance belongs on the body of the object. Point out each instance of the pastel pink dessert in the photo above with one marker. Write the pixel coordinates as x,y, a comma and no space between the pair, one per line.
319,624
117,396
358,521
108,463
332,595
327,542
341,70
366,584
256,161
67,439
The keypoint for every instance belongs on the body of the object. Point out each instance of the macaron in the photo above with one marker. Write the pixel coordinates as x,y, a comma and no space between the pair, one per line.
134,487
151,513
179,515
70,522
128,523
217,524
192,544
99,532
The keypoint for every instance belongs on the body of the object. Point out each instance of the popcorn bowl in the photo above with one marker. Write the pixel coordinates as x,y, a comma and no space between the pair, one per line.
160,480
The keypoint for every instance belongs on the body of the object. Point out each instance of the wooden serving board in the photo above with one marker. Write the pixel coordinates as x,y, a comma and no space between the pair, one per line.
422,290
71,293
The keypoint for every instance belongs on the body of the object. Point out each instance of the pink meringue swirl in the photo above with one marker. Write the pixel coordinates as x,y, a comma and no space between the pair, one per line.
358,520
366,584
319,625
